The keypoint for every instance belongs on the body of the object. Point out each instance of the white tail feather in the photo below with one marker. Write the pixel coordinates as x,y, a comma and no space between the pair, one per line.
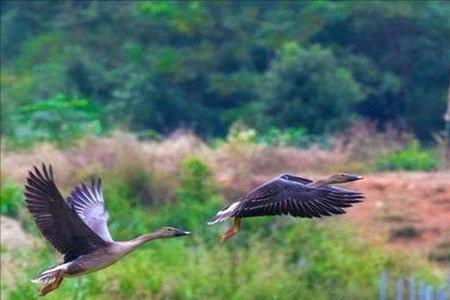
50,275
224,215
45,278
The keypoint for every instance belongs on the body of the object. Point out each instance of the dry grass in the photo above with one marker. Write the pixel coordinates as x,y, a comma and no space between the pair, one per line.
155,166
364,141
230,162
238,164
238,157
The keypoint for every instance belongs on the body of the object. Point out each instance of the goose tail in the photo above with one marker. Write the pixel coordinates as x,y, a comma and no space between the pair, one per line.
225,214
51,274
51,279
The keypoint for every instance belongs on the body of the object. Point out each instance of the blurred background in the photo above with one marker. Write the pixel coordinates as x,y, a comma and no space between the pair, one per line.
183,106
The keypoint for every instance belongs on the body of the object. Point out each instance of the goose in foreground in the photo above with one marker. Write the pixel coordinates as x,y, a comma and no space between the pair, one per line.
291,195
77,228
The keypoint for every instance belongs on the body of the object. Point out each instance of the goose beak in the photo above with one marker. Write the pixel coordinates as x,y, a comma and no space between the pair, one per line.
354,178
182,232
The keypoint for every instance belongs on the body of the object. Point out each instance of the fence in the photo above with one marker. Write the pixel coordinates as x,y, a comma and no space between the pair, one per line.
410,289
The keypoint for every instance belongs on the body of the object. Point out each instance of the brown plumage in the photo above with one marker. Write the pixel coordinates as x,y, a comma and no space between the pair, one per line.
77,228
291,195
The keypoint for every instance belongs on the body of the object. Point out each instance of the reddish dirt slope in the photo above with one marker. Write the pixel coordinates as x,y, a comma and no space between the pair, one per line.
411,209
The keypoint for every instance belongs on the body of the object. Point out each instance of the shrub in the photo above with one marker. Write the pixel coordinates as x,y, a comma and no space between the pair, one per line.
412,158
293,136
197,198
57,119
287,137
137,182
132,173
196,184
197,195
239,134
11,198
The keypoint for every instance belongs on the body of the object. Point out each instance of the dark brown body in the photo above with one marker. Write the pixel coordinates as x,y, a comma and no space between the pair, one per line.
290,195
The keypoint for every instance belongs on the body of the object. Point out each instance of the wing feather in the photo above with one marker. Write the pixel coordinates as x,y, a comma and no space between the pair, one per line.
58,223
88,203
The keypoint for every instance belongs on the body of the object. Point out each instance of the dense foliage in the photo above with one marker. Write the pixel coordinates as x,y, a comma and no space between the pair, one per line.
162,65
56,119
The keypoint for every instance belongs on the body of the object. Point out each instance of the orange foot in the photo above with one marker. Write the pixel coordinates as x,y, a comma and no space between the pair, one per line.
229,234
232,231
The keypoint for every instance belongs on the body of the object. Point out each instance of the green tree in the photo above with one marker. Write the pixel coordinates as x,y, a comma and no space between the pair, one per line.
57,119
306,87
404,41
162,65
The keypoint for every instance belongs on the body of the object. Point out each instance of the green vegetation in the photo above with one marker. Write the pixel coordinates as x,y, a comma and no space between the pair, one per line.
299,75
195,183
197,196
11,198
58,119
284,258
295,137
412,158
153,67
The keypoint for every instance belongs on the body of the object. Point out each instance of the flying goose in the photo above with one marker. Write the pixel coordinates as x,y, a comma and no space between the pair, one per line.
290,195
77,228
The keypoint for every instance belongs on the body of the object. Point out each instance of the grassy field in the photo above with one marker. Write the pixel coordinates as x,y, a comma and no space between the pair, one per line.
182,182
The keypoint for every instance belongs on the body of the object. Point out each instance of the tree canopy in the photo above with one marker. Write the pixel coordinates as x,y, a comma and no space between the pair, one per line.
161,65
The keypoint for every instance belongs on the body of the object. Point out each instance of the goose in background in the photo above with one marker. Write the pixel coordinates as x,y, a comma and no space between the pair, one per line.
290,195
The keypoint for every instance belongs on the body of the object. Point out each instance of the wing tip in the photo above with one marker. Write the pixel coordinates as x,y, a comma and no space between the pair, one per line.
45,172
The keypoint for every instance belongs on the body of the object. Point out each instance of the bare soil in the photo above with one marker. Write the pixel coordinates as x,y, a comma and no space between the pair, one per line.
412,210
12,238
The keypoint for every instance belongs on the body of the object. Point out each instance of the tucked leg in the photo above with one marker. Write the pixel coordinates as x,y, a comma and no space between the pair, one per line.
232,230
47,288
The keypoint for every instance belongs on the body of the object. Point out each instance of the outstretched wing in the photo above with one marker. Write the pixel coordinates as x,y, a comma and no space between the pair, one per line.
290,195
88,203
59,224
